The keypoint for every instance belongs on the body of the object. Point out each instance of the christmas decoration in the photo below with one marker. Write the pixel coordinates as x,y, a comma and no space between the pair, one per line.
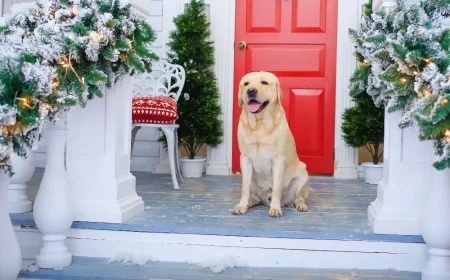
405,65
198,108
55,54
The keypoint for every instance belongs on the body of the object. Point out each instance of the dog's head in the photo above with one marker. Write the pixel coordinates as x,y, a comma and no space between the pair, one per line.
259,90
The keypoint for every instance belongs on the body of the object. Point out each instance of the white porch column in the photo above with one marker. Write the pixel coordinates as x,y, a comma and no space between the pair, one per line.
98,158
346,157
222,14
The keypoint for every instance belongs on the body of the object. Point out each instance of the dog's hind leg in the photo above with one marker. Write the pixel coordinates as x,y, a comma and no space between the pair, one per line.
301,195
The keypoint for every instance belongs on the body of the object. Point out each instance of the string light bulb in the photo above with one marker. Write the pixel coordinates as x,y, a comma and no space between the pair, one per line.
427,60
426,91
416,73
403,80
25,102
447,135
64,62
444,101
366,61
55,84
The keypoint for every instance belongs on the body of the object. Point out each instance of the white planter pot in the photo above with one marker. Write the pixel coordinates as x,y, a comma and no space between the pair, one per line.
10,255
373,173
23,169
53,206
192,168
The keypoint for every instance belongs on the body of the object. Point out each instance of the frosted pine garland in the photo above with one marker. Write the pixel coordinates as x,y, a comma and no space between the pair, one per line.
55,54
405,63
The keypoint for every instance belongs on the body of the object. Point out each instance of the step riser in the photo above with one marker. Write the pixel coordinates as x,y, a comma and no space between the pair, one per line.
255,252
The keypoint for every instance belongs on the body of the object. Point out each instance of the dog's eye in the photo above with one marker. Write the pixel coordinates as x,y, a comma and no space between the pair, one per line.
245,84
264,83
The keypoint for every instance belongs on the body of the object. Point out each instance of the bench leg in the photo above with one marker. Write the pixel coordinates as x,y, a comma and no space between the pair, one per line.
133,137
170,136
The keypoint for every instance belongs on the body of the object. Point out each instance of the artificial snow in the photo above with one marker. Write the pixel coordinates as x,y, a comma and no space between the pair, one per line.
32,268
131,259
220,264
147,208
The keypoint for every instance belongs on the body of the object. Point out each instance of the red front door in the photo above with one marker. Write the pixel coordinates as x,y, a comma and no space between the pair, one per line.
295,40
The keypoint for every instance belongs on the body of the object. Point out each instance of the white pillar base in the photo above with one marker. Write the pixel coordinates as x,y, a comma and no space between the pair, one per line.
110,211
217,168
98,158
163,166
346,173
406,178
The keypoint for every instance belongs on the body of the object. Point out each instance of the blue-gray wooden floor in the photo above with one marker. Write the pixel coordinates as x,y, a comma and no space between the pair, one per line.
93,268
337,210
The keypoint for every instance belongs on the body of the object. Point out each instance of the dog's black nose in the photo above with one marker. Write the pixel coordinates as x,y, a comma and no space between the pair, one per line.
251,92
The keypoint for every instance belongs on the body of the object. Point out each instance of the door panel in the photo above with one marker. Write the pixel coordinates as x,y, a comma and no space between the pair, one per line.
295,40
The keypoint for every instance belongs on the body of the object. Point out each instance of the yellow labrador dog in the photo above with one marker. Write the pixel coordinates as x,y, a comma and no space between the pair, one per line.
272,173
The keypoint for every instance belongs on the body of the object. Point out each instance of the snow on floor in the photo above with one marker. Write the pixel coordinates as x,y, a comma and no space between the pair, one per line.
226,262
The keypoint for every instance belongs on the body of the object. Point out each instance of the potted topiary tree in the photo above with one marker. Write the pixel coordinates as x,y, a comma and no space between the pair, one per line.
199,107
363,125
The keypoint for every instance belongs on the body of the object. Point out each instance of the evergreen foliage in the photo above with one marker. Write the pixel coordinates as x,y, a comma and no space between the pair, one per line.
405,54
199,107
55,54
363,126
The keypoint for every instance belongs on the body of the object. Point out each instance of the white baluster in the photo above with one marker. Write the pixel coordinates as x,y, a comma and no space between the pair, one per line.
53,208
436,227
10,255
18,201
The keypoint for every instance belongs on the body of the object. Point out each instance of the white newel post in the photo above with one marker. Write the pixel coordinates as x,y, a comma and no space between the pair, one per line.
436,227
98,158
10,254
222,30
18,201
53,207
406,178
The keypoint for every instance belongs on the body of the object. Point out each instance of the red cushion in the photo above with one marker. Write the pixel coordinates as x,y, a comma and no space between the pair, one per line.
159,109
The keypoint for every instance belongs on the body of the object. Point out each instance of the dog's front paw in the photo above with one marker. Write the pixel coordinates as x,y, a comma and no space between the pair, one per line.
240,209
275,212
302,207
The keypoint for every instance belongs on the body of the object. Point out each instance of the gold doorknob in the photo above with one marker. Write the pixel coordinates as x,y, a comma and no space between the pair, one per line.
242,45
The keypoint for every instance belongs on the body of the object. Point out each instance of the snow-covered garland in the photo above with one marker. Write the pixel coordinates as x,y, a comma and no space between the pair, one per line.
55,54
405,64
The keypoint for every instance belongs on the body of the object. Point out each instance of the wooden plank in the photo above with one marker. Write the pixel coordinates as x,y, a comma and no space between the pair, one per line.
338,210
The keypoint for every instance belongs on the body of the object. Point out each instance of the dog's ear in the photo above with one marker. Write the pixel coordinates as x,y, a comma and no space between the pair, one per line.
279,92
241,88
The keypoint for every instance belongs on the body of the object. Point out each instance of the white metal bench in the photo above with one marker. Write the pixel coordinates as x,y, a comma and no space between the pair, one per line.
165,80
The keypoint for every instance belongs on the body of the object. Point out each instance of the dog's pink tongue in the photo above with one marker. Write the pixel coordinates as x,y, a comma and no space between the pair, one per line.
253,107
